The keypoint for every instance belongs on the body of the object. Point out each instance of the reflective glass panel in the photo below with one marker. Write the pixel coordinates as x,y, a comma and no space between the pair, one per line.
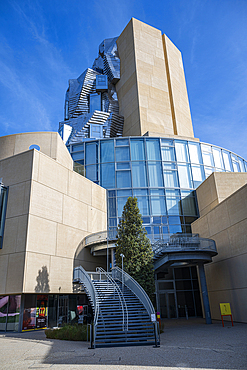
91,153
175,229
158,205
139,192
173,205
120,205
13,312
195,153
123,179
122,154
167,153
122,142
123,166
78,156
157,192
235,163
208,171
137,150
139,175
143,205
207,155
189,206
107,176
95,102
184,176
77,148
112,207
198,175
174,220
170,176
218,161
227,160
155,174
107,151
241,163
92,172
124,193
181,151
153,149
167,142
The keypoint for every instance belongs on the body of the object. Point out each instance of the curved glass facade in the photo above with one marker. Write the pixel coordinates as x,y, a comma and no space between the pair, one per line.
162,173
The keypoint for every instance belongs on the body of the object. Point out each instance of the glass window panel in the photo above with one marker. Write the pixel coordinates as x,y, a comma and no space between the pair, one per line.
218,161
165,229
3,311
171,179
198,175
227,160
95,102
123,179
158,205
124,193
195,153
235,163
146,220
111,193
153,149
173,193
148,229
96,131
184,176
245,163
174,220
122,154
155,174
164,220
107,151
181,151
123,166
189,206
173,206
137,150
92,172
157,232
78,156
241,163
208,171
166,142
120,205
139,175
143,204
157,192
175,229
112,207
122,142
107,176
167,153
157,220
77,148
91,153
112,222
139,192
207,155
13,312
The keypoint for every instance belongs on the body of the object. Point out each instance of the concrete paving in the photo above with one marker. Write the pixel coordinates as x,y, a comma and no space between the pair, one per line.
184,345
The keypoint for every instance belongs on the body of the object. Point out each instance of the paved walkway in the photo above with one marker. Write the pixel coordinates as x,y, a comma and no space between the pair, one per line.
184,345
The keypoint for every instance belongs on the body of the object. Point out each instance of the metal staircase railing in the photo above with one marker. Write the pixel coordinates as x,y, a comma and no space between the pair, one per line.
122,301
82,277
118,274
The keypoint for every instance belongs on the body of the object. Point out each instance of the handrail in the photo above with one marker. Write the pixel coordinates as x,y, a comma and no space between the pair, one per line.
81,276
120,295
135,288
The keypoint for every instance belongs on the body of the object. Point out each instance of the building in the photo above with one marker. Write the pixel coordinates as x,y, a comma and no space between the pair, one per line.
128,132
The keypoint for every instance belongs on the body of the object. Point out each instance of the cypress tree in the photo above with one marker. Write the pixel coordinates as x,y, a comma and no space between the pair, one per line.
133,242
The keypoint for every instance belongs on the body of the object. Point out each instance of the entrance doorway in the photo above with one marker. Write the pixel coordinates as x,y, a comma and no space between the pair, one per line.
168,305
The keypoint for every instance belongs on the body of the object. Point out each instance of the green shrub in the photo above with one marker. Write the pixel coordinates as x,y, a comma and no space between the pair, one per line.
68,332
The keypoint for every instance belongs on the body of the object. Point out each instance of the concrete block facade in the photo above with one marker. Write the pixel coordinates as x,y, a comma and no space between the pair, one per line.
222,201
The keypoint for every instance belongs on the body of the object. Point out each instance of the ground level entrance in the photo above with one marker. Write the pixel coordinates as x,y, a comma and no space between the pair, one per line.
178,293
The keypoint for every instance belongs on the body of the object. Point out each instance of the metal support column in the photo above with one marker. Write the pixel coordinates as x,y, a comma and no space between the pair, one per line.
204,293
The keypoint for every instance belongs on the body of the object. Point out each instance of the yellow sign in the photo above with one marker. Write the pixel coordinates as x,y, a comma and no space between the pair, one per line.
225,309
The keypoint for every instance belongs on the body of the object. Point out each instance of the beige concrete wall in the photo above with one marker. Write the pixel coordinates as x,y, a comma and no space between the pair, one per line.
226,223
50,143
152,91
217,187
50,210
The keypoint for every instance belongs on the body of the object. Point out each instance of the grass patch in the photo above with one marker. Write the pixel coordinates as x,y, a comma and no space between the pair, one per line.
68,332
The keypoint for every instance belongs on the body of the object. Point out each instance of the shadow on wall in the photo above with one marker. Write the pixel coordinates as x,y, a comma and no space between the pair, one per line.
42,281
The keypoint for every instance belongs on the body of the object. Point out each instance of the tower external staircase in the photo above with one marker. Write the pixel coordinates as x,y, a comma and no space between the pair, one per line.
122,309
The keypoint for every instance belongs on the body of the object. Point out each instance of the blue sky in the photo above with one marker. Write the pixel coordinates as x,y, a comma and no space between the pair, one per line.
45,43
